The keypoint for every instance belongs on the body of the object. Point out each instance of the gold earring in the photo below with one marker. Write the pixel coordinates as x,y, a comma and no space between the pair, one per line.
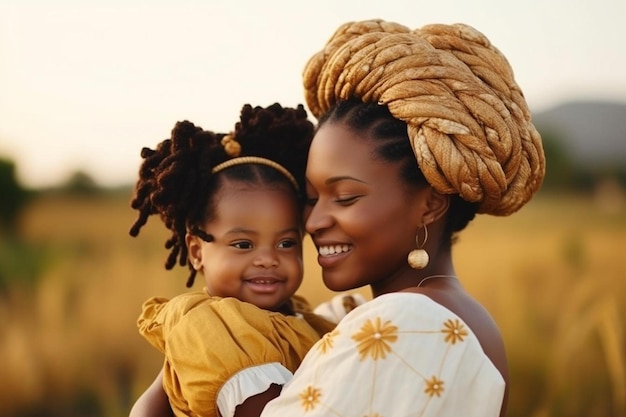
418,258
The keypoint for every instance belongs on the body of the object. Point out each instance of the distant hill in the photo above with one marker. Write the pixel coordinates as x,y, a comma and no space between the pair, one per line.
594,132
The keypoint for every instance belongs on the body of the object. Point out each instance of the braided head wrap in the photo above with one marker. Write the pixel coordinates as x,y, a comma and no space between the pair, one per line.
467,119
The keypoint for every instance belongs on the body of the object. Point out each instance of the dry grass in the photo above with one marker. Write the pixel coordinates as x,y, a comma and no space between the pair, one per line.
552,276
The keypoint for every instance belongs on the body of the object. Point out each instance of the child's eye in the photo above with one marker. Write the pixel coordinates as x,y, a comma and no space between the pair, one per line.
311,201
287,244
242,245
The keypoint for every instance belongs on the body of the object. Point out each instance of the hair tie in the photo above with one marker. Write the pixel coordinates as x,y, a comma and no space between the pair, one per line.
231,146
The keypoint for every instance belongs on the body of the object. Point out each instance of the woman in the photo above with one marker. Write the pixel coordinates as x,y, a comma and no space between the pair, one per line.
418,132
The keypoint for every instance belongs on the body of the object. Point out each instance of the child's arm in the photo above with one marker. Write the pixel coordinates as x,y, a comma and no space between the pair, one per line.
153,402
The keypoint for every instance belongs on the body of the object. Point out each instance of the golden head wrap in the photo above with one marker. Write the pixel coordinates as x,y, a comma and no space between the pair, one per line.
467,119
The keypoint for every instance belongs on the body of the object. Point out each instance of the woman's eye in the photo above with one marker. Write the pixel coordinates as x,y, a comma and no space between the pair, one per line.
242,245
311,201
345,201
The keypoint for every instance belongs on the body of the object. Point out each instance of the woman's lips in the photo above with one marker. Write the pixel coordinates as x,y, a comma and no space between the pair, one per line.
329,250
331,255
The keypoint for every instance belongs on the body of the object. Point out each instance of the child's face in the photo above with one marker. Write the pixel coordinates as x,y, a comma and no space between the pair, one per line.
257,252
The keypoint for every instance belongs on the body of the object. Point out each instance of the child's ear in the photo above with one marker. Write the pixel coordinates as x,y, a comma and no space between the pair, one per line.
194,250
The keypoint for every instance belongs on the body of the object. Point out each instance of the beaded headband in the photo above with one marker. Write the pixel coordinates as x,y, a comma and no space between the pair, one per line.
256,160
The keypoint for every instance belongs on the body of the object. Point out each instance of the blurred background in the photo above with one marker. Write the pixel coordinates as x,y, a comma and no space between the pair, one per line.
85,85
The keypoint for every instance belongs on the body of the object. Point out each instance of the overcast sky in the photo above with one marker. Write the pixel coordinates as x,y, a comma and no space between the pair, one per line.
85,84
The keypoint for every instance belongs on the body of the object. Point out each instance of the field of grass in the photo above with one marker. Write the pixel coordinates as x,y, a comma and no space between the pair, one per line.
553,276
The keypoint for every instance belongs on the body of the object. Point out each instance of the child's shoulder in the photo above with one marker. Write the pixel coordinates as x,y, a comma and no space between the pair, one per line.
185,301
301,304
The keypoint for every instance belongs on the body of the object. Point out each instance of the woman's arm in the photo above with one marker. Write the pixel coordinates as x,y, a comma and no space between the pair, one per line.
153,402
253,406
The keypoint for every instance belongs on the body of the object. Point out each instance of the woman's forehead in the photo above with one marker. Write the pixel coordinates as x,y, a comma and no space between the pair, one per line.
339,141
340,152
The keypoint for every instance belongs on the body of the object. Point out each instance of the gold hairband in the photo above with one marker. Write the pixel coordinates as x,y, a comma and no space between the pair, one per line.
255,160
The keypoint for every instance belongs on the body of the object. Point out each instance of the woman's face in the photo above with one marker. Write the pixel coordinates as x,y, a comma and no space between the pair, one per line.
360,215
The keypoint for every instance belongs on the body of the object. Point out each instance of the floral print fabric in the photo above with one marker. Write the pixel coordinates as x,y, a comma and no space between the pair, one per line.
398,355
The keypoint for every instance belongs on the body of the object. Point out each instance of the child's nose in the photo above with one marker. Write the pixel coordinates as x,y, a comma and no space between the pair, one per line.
266,257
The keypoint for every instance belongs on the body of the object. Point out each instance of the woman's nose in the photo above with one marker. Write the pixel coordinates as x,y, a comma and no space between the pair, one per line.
317,218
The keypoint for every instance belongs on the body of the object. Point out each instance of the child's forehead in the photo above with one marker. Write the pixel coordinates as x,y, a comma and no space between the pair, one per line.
259,209
255,196
253,186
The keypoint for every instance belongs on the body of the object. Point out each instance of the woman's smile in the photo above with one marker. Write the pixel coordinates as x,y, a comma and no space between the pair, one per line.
333,250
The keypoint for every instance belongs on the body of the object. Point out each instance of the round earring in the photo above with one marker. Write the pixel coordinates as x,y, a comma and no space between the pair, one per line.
418,258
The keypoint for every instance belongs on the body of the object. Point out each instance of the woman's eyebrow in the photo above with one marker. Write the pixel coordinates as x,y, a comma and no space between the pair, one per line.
333,180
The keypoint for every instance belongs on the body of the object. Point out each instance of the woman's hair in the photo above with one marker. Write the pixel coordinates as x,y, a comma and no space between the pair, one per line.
393,146
176,180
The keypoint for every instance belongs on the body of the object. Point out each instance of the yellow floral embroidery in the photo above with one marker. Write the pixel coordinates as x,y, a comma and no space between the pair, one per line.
454,331
373,415
310,397
434,387
328,341
374,338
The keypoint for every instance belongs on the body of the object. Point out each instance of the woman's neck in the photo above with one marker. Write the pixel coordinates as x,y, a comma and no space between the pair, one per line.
411,278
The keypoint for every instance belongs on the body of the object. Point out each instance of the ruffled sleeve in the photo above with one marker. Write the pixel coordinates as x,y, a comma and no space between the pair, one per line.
337,307
208,340
399,354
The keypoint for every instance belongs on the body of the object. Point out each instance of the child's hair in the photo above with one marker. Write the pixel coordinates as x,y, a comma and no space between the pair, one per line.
177,180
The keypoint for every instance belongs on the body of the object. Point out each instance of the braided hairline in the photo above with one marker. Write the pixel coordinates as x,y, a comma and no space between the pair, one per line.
242,160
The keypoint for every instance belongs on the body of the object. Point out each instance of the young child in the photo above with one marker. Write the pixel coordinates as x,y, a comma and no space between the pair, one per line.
233,203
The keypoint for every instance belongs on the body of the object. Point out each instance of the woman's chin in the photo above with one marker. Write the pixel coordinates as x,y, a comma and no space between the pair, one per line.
337,284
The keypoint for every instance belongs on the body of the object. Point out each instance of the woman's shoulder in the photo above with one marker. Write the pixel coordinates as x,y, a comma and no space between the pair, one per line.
476,318
444,307
407,311
402,303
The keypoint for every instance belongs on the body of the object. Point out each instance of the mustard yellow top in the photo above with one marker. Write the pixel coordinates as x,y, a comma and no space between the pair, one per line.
220,351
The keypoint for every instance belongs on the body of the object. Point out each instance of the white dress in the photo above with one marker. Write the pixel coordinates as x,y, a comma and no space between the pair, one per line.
401,354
